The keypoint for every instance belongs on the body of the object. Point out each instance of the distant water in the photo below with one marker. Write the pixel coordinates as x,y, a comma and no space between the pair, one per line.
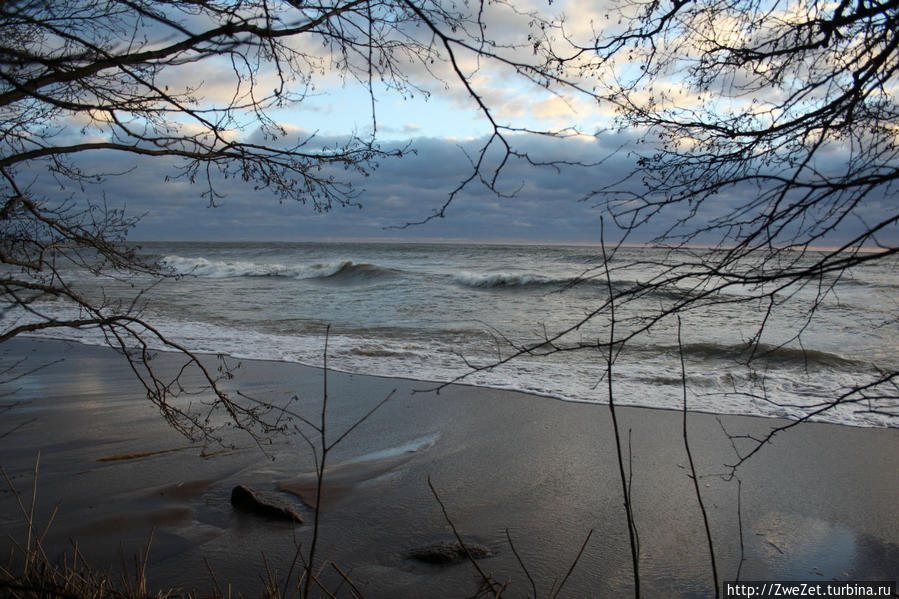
429,311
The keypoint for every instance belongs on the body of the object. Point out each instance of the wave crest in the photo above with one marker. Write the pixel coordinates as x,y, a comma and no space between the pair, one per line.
224,269
345,270
777,356
503,280
507,280
349,271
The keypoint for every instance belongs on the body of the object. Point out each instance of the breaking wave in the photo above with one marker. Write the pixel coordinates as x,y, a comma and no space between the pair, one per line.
345,270
224,269
774,356
514,281
349,271
507,280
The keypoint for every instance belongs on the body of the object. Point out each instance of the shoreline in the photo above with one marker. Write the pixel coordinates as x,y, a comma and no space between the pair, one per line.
819,502
439,385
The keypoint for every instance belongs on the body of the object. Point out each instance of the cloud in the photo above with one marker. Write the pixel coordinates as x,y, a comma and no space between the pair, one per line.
545,203
546,206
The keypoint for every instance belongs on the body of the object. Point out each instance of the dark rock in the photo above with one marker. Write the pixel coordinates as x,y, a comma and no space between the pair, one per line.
264,504
447,552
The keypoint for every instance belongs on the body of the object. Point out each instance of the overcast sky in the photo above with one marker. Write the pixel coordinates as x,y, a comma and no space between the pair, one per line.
545,204
442,126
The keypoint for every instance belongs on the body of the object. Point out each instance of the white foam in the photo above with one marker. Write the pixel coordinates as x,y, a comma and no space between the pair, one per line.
221,269
648,380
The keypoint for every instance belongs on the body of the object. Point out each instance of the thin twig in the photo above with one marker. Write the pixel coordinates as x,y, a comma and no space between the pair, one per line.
740,526
355,591
521,563
320,471
491,584
625,485
693,475
573,564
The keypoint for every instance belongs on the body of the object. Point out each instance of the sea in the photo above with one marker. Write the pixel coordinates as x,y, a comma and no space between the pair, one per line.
532,318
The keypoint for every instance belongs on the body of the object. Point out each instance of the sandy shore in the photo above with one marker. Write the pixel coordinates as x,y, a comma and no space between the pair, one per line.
820,502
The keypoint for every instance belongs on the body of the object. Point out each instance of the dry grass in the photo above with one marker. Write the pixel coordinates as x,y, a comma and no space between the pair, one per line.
29,573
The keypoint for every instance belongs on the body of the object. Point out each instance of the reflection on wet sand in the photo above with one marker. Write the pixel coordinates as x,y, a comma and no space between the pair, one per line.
341,479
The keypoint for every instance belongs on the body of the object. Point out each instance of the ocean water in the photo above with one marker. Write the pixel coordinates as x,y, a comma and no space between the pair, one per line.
446,312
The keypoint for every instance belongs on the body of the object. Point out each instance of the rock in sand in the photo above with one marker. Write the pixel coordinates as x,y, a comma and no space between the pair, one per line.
447,552
264,504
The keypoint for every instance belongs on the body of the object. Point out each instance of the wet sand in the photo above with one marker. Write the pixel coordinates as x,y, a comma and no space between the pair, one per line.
819,502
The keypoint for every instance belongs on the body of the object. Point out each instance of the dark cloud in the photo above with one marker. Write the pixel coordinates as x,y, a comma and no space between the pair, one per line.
546,206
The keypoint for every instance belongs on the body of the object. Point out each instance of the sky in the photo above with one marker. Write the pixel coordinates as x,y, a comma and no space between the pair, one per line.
543,204
441,129
438,124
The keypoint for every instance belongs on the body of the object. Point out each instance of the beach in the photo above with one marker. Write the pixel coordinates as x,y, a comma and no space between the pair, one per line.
817,503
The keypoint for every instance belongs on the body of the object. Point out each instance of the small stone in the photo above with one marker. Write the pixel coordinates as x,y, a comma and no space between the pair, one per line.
447,552
265,504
